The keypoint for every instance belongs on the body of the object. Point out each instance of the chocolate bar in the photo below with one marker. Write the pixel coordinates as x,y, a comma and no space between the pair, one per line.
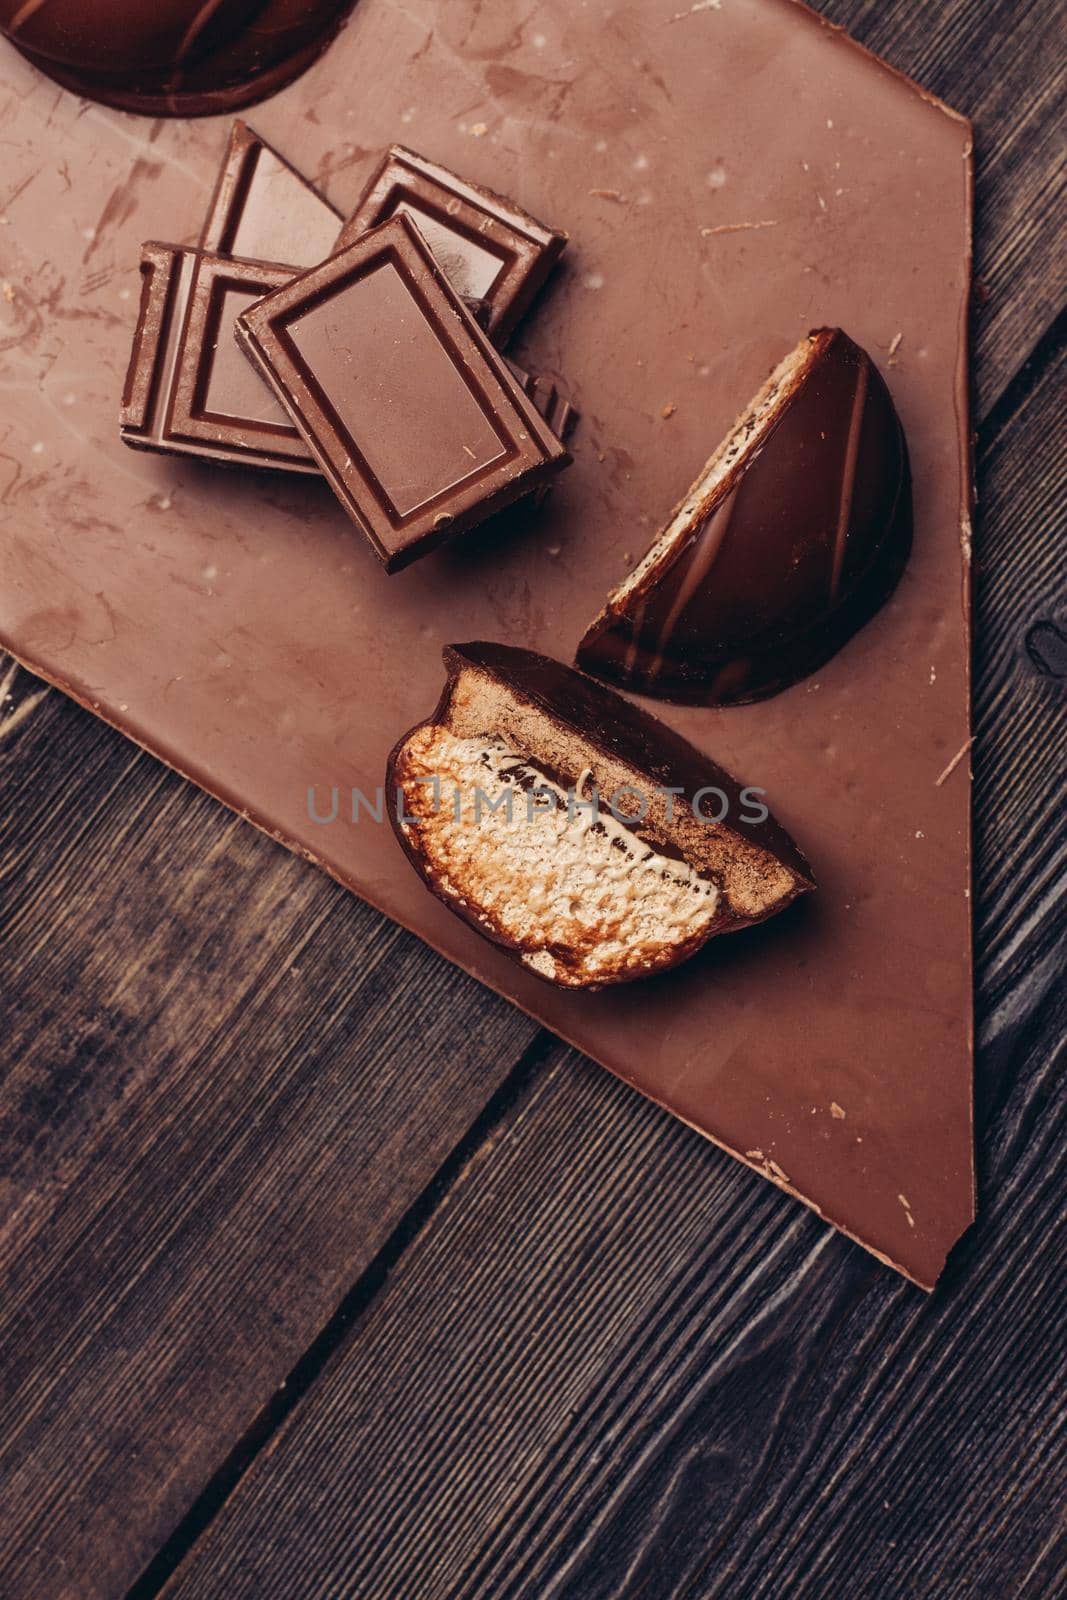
415,420
488,247
796,532
189,390
578,832
263,210
174,57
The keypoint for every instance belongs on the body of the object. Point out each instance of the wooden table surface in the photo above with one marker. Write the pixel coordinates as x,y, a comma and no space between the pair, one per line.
324,1273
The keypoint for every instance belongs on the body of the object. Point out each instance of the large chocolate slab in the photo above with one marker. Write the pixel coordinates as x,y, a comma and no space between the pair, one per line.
489,248
420,427
231,623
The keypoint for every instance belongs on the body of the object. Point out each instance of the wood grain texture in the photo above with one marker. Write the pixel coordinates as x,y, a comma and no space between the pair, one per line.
998,63
612,1363
212,1115
1020,753
616,1367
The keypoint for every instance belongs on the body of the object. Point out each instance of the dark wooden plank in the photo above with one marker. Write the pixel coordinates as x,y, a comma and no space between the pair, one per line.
613,1367
213,1112
1020,753
998,63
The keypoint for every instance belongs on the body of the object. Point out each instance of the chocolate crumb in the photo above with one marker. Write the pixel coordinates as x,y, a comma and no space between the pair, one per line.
735,227
954,763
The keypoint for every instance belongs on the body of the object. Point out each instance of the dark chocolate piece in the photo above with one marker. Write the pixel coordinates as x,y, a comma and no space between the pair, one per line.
562,417
171,58
480,310
565,824
489,247
416,421
794,535
525,380
263,210
553,406
189,390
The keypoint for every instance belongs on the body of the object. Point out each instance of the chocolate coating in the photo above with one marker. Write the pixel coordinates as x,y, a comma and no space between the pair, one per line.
781,564
624,732
172,57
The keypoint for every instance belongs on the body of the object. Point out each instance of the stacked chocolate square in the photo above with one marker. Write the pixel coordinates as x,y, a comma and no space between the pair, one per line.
368,351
